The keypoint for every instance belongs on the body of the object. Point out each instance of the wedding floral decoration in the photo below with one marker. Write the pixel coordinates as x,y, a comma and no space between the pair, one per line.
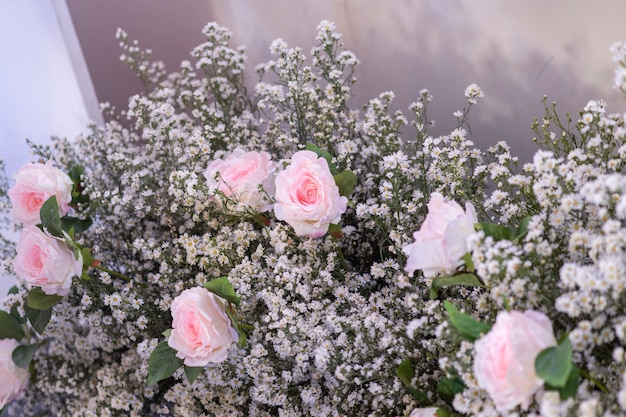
212,251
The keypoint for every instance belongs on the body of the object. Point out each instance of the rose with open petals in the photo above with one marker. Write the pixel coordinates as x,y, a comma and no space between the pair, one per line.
307,196
13,379
241,175
504,359
34,184
201,331
441,242
46,262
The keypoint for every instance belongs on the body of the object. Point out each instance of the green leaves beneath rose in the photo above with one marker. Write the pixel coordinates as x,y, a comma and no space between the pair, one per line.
554,365
38,309
163,363
39,300
39,319
23,355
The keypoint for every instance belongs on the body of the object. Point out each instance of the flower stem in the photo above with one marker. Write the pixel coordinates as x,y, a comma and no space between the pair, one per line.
111,272
594,381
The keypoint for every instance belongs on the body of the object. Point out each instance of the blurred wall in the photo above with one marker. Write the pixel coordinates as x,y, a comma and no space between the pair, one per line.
516,51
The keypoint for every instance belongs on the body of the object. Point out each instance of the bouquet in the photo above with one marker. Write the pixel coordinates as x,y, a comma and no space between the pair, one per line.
212,251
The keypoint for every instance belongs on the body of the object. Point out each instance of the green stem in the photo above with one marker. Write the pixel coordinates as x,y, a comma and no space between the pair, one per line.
594,381
111,272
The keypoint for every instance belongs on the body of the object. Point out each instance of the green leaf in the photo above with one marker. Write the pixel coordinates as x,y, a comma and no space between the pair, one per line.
78,197
221,286
262,219
39,300
234,321
323,154
570,389
522,229
50,220
469,263
554,364
10,327
15,313
87,257
39,319
193,372
75,173
496,231
162,364
447,388
335,231
469,280
79,225
469,328
345,181
13,290
23,355
405,372
167,333
442,413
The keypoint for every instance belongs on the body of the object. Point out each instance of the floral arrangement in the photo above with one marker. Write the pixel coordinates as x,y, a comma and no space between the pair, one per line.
214,252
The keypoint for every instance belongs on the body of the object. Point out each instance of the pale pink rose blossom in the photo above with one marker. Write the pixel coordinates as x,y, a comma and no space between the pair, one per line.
45,261
307,196
202,333
504,358
34,184
441,242
239,177
13,379
424,412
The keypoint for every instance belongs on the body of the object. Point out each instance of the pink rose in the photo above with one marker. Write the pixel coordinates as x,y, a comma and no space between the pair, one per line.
504,358
240,175
201,331
46,262
34,184
14,379
441,242
307,196
424,412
